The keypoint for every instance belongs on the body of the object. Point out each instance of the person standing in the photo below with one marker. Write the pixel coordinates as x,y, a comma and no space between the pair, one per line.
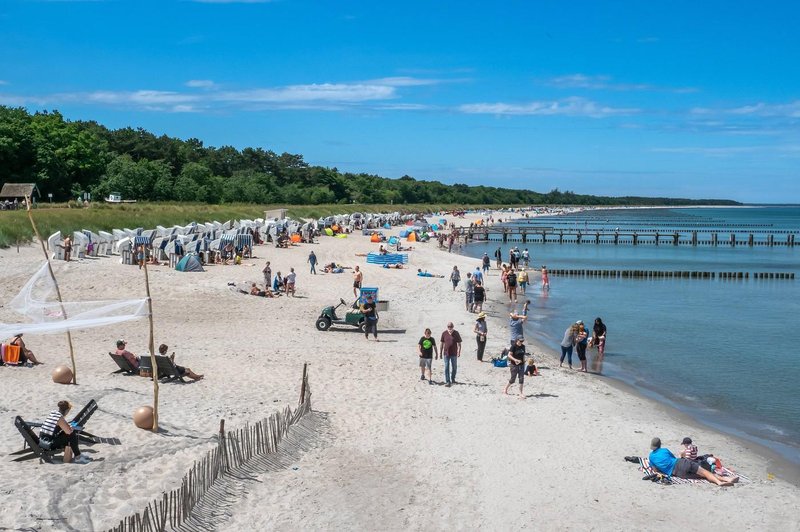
567,344
358,277
477,275
455,277
427,348
267,271
451,350
511,283
516,364
67,248
515,323
481,330
469,290
291,278
599,337
312,260
370,313
545,278
522,279
525,258
498,255
485,262
479,296
581,342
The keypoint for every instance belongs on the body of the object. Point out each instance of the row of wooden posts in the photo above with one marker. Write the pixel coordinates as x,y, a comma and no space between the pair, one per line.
656,274
234,449
544,236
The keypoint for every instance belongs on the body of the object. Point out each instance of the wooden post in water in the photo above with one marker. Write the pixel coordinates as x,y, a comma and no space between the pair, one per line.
694,238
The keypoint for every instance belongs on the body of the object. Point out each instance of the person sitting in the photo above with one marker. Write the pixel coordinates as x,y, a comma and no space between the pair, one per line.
182,371
664,461
425,273
256,291
689,449
132,359
66,438
25,354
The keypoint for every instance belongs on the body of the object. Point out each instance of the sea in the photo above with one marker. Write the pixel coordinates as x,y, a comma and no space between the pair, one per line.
724,351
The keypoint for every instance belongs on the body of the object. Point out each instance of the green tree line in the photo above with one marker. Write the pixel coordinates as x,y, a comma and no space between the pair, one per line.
67,158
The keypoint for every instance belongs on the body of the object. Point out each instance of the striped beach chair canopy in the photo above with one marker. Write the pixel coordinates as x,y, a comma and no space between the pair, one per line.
139,240
225,239
242,240
388,258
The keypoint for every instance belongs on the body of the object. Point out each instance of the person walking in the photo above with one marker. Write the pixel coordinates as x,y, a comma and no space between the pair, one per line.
498,255
469,290
599,337
370,313
455,277
481,330
358,277
477,275
522,279
312,260
451,350
427,347
545,278
485,262
511,283
516,364
67,248
479,296
567,343
290,280
267,271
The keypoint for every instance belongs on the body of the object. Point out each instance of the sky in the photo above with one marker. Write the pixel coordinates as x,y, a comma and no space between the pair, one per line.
676,99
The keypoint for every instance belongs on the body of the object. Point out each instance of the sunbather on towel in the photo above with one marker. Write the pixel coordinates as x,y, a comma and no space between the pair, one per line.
25,354
255,290
184,371
664,461
67,438
421,273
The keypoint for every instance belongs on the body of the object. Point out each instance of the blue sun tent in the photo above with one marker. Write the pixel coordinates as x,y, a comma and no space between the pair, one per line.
189,263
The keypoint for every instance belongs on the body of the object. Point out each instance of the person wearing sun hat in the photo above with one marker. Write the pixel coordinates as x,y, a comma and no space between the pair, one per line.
481,330
132,359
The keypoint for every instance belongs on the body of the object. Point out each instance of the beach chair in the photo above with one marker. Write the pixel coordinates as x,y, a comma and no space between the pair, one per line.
167,370
11,355
33,447
123,364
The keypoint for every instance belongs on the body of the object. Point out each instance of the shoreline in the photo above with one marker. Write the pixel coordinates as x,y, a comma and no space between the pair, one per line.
388,437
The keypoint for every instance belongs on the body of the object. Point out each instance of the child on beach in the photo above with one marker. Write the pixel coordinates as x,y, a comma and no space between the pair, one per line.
545,278
427,348
689,449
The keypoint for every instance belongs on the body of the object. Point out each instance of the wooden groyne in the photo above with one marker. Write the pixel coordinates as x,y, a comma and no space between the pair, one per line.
662,274
542,235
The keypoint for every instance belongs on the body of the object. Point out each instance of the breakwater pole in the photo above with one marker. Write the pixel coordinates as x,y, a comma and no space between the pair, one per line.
662,274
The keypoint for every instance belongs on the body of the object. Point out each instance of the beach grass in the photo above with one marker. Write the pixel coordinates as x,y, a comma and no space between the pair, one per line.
16,229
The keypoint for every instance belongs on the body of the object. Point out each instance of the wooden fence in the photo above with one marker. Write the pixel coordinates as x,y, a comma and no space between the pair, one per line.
234,449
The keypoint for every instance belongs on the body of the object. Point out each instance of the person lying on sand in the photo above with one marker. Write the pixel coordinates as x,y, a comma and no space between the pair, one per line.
394,266
183,371
25,354
426,273
256,290
664,461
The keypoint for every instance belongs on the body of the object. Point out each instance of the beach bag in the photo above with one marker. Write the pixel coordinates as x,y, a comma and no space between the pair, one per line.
500,363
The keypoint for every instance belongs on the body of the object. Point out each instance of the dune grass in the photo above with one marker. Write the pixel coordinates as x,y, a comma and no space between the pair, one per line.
15,228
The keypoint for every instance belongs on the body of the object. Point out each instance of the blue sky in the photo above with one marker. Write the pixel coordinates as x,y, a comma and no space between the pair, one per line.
681,99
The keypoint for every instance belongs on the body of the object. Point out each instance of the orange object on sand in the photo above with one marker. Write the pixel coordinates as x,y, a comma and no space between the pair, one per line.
412,236
11,355
295,238
335,228
374,238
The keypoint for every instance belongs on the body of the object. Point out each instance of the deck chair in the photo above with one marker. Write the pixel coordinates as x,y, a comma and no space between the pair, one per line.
33,447
123,364
11,355
167,369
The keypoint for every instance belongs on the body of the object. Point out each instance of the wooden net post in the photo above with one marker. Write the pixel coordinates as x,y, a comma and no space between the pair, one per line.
58,290
151,344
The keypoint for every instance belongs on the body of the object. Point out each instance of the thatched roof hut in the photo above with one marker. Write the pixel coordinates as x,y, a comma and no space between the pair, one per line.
19,190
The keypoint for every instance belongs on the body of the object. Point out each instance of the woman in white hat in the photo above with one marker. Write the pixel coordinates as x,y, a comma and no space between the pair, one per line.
481,330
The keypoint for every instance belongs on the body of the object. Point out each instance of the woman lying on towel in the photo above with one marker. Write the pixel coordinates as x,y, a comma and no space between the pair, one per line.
184,372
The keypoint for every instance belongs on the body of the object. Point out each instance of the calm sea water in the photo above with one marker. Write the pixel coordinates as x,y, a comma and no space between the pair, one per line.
724,351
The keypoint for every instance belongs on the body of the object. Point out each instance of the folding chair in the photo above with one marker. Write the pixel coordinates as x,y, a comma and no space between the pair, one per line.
167,369
123,364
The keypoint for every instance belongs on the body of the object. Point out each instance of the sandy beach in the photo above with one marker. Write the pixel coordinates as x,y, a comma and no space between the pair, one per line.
391,452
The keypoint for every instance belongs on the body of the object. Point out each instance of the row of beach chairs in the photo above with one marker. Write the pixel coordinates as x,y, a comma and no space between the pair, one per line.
167,369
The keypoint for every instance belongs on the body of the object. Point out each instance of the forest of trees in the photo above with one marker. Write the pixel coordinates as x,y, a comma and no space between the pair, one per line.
67,158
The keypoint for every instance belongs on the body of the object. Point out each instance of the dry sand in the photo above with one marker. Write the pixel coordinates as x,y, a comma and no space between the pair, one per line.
391,452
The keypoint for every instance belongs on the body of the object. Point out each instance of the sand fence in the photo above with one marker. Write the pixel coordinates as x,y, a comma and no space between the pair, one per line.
234,450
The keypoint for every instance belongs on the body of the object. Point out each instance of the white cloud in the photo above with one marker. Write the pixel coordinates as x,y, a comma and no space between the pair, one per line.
601,82
201,84
790,110
565,107
322,92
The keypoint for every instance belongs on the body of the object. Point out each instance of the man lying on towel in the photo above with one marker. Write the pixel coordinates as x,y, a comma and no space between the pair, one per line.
665,462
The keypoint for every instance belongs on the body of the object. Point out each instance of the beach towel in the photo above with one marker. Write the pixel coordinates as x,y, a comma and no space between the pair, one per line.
649,471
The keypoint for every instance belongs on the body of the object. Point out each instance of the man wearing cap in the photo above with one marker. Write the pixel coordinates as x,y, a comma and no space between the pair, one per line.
132,359
516,364
481,330
665,462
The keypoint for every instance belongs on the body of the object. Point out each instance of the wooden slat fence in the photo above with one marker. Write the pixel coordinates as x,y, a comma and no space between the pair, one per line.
234,449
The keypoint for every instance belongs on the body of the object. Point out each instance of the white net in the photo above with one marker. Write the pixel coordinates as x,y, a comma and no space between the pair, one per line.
45,316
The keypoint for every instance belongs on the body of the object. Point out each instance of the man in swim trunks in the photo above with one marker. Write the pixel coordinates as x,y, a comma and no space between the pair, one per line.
358,276
664,461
